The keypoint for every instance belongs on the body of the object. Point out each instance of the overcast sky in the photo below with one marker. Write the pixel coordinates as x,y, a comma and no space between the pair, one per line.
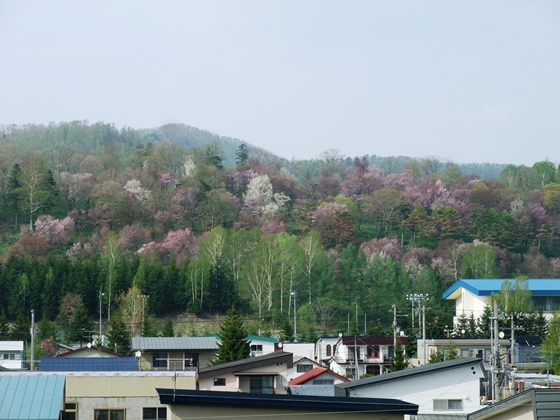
471,81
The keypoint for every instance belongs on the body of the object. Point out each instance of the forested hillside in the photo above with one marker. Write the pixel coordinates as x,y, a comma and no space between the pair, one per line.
199,223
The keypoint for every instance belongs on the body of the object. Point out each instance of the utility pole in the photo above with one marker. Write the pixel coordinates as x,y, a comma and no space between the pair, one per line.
421,299
293,293
495,395
32,367
143,297
101,294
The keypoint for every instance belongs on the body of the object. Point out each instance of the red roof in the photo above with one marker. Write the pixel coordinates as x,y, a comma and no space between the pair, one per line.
312,374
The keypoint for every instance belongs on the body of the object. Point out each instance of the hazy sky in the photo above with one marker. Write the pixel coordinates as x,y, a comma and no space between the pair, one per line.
472,81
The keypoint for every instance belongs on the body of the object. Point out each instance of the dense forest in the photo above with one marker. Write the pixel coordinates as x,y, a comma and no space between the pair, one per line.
178,220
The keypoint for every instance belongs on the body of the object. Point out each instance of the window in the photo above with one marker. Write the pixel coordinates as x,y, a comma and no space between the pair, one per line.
351,352
69,412
448,404
109,414
256,347
329,350
262,385
219,381
9,356
323,382
303,368
350,372
191,359
154,413
160,360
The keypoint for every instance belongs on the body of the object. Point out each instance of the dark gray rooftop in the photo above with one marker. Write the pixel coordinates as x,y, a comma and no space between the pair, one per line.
174,343
249,363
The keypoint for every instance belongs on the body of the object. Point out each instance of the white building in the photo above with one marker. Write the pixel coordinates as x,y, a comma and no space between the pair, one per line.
11,355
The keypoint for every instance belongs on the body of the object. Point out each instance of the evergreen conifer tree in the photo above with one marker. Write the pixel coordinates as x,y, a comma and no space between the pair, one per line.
4,327
149,328
233,339
119,335
168,330
399,361
287,330
21,329
81,325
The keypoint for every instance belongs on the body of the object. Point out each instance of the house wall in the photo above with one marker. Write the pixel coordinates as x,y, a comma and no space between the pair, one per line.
192,412
13,349
300,349
469,303
267,347
523,412
321,347
241,383
131,393
462,383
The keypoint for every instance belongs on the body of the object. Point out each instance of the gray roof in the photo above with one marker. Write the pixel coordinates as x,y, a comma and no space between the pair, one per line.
174,343
422,370
545,402
249,363
317,390
441,416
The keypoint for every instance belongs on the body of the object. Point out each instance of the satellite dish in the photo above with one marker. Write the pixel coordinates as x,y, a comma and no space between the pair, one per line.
89,345
501,334
138,353
280,345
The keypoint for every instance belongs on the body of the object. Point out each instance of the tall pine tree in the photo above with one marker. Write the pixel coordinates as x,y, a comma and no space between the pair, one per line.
233,339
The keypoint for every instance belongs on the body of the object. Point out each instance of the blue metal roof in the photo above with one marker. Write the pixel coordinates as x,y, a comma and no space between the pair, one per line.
87,364
31,397
485,287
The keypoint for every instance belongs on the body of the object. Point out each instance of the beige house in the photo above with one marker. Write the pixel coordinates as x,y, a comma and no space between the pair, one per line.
267,374
174,353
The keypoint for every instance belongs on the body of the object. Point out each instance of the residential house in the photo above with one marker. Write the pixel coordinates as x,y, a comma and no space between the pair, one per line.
373,354
439,389
300,366
88,395
298,349
259,344
267,374
11,355
472,295
184,404
89,351
466,347
533,404
174,353
317,381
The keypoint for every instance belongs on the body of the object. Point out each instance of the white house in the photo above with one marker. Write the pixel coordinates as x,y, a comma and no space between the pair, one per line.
472,295
11,355
440,389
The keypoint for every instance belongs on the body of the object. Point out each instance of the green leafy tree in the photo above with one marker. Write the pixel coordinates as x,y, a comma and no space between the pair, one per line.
233,339
550,349
448,352
167,330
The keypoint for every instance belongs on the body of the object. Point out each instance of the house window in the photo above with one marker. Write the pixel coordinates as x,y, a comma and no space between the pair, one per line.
191,359
69,412
256,347
303,368
350,372
9,356
353,353
448,404
154,413
160,360
219,381
323,382
262,385
109,414
329,350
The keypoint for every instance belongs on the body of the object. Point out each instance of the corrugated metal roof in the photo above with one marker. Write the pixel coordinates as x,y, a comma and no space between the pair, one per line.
87,364
174,343
485,287
24,397
317,390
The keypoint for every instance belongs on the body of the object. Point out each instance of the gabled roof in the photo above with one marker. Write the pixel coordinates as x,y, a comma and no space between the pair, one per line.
250,337
31,397
418,371
312,374
249,363
82,349
174,343
545,402
285,402
485,287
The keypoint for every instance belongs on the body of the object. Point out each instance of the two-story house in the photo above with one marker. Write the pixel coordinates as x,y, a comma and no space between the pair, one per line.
11,355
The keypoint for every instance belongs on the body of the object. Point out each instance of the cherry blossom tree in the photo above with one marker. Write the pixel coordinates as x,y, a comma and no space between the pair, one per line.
52,230
260,199
134,187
